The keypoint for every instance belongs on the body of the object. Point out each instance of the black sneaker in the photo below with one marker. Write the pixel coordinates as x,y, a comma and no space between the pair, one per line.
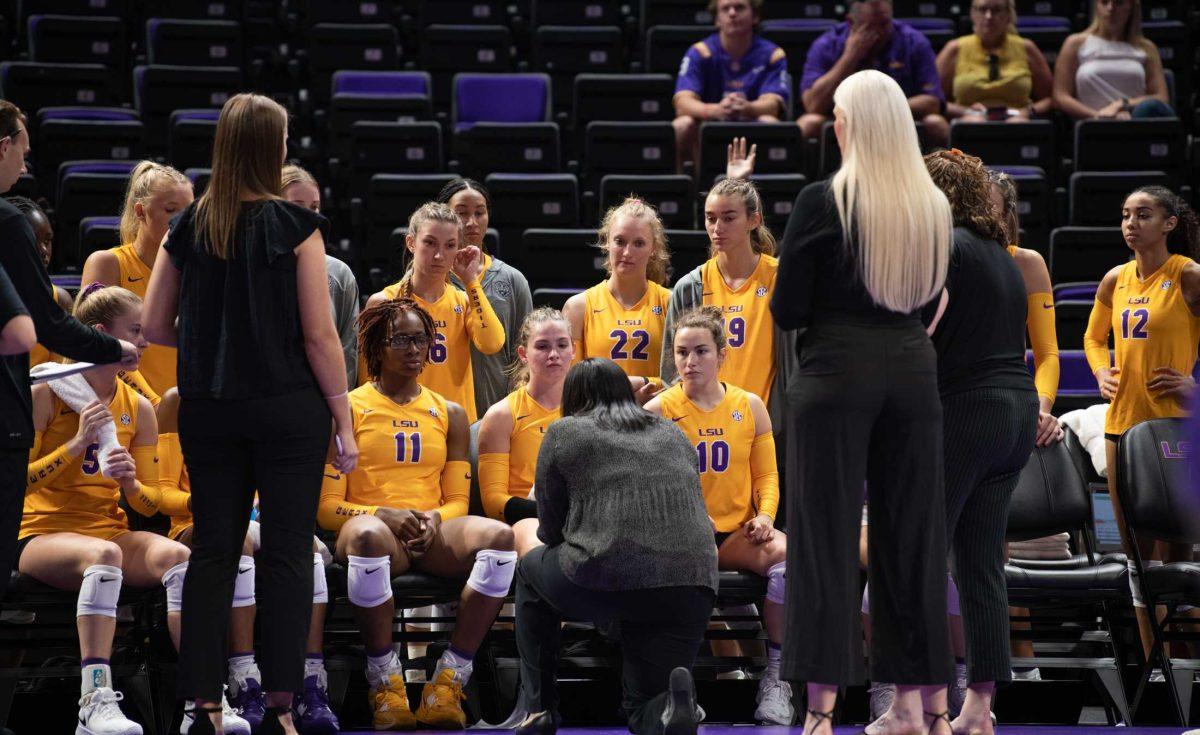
539,723
680,717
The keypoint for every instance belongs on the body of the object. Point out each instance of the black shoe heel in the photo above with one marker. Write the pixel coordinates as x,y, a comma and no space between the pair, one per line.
539,723
270,724
201,722
680,716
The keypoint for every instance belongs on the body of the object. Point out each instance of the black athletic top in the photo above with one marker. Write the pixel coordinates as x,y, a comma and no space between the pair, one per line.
239,319
10,302
980,339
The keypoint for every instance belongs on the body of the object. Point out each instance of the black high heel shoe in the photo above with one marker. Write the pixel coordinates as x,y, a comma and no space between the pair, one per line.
201,721
270,724
935,716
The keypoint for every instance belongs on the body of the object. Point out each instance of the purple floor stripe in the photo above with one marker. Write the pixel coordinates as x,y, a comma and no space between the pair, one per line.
847,730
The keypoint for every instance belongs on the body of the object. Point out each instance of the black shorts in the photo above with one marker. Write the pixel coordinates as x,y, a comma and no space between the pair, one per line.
720,536
1114,438
21,544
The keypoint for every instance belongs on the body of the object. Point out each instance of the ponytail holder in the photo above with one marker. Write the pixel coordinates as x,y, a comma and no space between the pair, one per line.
92,288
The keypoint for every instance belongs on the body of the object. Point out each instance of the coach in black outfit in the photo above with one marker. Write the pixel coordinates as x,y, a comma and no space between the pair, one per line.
56,330
989,414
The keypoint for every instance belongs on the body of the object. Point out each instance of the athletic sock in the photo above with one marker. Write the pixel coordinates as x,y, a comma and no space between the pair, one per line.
381,665
242,666
314,665
96,673
773,651
460,662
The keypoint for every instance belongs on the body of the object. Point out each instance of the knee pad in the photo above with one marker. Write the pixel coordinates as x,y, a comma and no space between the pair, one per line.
493,572
777,583
243,585
173,581
952,605
320,586
866,603
99,591
369,580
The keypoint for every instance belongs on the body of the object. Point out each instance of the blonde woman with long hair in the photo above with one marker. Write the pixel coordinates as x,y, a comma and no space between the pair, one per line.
155,194
863,254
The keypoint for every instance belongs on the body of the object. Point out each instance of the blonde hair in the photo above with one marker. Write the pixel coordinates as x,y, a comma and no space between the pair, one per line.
890,210
426,214
293,174
660,255
147,179
99,304
1131,33
247,160
518,372
761,239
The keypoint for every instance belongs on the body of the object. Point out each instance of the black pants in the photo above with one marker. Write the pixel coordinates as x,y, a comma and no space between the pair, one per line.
660,629
865,408
13,477
275,446
989,434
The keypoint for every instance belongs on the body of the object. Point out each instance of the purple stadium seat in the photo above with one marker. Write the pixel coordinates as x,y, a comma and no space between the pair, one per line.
83,133
501,98
95,114
98,233
382,83
1031,22
804,24
86,189
1077,291
1075,377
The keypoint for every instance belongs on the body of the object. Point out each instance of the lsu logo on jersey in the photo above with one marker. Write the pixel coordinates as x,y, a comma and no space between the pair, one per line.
406,424
737,415
760,292
716,431
1139,300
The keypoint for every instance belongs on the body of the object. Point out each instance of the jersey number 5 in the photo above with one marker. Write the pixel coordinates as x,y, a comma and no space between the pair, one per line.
639,350
714,456
1137,330
91,462
408,447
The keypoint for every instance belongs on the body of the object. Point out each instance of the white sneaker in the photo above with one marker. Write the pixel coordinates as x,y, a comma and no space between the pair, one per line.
231,722
1028,675
775,703
881,696
100,714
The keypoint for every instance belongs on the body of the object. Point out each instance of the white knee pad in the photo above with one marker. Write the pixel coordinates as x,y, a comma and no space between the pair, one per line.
952,605
776,583
173,581
243,585
254,531
866,603
369,580
492,574
99,592
320,587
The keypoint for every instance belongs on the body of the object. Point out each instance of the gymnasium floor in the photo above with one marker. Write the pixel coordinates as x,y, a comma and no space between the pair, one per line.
851,730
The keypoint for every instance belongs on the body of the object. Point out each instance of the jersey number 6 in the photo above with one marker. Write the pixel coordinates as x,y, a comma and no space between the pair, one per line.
438,351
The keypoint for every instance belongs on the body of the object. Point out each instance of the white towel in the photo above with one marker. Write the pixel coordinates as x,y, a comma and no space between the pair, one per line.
77,394
1088,425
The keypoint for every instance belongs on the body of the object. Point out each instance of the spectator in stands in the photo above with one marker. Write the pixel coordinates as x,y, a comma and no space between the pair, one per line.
59,332
43,232
261,380
990,418
465,319
73,534
405,508
865,408
17,335
155,194
738,476
994,74
1110,70
733,75
1151,306
872,39
512,430
300,188
628,542
505,287
621,318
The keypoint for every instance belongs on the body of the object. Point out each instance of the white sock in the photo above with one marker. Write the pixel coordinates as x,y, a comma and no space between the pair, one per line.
379,667
243,667
459,664
773,652
314,666
95,676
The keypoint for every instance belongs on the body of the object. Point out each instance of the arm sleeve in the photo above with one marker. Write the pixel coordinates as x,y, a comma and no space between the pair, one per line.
493,483
552,501
1095,339
1044,341
174,501
146,498
333,510
765,474
59,332
792,298
44,470
456,489
689,79
134,379
487,333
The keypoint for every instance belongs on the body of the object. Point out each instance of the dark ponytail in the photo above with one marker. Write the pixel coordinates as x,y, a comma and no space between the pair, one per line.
1185,238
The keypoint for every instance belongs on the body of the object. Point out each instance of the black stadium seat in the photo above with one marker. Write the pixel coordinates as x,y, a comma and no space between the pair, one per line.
674,12
86,189
627,148
81,133
383,96
361,47
1007,144
623,98
1070,322
339,11
778,192
577,13
386,204
194,42
561,258
780,149
525,200
160,90
98,233
689,249
674,196
564,51
508,147
1131,145
462,12
666,45
1096,196
1085,253
191,137
32,85
390,147
70,39
447,50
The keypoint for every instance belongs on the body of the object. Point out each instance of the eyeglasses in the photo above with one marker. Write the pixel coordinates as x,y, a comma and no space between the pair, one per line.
992,10
993,67
404,341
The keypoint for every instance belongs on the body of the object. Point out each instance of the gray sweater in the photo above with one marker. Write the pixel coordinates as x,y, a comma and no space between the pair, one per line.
343,295
626,507
508,293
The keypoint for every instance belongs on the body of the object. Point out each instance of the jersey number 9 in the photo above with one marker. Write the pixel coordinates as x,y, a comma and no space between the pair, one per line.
713,456
639,350
737,331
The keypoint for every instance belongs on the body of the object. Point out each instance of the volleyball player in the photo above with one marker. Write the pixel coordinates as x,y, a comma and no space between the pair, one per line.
739,278
731,431
621,318
155,194
43,233
462,320
512,430
405,507
245,679
1151,305
505,287
73,534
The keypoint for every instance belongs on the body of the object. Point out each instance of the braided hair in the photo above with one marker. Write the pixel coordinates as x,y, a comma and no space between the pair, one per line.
374,324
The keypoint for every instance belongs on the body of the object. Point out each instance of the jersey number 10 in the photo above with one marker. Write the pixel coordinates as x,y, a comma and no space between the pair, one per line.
713,456
1136,329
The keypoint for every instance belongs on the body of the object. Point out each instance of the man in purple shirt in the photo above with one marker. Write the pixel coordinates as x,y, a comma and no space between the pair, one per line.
731,75
871,39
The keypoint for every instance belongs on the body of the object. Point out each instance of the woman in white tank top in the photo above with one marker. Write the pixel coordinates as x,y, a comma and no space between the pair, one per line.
1110,70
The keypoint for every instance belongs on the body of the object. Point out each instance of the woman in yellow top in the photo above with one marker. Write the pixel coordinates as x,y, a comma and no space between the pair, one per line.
1151,305
739,278
735,450
1039,323
73,534
622,317
994,74
462,319
155,194
43,233
405,507
512,430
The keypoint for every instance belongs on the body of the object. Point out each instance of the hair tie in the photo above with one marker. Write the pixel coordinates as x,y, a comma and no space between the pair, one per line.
92,288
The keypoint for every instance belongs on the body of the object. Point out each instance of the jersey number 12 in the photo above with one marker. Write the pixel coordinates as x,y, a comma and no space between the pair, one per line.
1135,327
